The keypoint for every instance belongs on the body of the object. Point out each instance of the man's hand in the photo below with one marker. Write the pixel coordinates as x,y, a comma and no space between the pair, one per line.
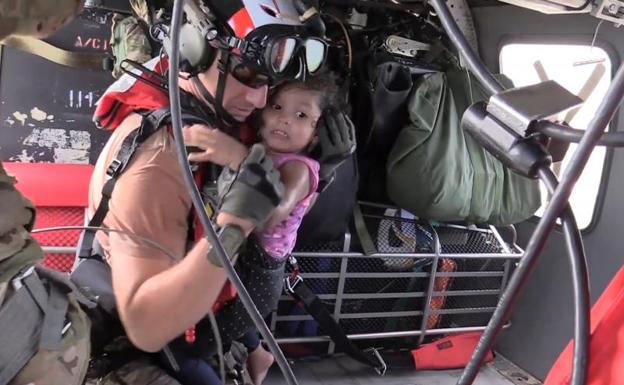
217,146
336,143
254,191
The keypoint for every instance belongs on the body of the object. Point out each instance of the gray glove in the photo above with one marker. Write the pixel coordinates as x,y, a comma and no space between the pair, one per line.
252,192
336,144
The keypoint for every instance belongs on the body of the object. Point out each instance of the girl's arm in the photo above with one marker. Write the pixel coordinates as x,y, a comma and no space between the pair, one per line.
295,176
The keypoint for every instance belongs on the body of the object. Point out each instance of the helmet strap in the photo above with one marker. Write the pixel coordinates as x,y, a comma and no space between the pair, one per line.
222,65
224,119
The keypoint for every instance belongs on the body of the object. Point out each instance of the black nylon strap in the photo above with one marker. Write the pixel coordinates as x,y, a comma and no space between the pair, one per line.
23,314
317,309
115,169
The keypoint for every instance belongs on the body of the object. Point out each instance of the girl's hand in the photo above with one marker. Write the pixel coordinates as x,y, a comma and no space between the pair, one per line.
217,147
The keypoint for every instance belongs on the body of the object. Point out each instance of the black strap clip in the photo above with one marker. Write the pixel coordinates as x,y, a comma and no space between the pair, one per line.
291,282
113,168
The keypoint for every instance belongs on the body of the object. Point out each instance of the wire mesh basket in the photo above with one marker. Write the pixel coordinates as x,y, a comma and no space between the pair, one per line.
423,279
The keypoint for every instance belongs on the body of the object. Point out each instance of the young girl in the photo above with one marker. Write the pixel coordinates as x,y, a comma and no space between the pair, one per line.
288,130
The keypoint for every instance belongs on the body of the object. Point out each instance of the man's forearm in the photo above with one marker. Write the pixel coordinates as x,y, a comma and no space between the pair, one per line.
176,297
169,302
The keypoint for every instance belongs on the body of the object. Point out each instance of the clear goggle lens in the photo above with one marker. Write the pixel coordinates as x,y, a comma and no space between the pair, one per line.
285,50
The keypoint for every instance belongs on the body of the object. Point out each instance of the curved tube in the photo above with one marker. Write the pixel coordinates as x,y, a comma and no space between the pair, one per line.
573,135
475,64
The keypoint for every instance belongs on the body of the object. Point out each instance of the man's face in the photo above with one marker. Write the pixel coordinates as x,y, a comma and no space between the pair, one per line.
239,100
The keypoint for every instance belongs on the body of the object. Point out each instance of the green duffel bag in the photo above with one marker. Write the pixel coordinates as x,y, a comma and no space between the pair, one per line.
437,171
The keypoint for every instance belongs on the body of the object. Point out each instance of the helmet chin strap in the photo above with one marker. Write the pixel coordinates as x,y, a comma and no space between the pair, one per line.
225,121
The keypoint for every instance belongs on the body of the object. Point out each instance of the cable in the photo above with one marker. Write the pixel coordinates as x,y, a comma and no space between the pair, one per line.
243,295
457,37
536,244
568,8
573,135
348,39
215,331
580,283
107,230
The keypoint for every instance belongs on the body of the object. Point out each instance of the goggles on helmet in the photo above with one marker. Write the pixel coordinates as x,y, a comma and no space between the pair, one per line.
246,74
282,51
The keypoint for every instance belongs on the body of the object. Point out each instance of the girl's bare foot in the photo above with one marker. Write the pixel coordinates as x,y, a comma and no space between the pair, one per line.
258,364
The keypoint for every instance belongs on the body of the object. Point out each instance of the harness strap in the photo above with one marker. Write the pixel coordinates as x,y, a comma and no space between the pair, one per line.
306,298
368,246
35,320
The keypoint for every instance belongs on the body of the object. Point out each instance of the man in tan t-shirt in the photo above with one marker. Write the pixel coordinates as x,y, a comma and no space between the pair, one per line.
158,298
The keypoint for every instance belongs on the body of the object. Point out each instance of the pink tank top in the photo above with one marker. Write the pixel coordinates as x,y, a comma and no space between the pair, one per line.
279,240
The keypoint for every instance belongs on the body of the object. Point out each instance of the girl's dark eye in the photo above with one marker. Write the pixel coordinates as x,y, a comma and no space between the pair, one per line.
276,107
300,114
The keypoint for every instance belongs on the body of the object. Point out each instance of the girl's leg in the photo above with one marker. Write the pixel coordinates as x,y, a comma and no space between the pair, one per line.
259,360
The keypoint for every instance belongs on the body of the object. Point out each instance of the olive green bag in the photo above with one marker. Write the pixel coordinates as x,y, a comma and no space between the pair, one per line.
437,171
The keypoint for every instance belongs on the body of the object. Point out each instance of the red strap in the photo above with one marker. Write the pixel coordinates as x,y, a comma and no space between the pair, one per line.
451,352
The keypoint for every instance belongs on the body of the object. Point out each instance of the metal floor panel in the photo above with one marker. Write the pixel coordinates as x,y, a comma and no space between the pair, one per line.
344,371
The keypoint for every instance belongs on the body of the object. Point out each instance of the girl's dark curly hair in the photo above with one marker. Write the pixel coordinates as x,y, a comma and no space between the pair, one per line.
324,84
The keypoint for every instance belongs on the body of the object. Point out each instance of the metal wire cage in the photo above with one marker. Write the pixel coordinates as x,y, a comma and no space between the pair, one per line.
424,279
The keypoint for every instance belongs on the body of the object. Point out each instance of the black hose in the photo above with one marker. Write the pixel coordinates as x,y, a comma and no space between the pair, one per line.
572,135
580,282
475,64
559,200
211,235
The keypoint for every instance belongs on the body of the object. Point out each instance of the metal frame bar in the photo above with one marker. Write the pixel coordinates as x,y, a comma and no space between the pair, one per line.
59,249
335,254
367,336
411,294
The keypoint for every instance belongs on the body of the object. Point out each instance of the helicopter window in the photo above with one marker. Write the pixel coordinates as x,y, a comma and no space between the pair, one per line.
585,71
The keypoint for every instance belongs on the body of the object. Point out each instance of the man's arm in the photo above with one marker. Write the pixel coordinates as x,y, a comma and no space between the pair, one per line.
157,301
157,298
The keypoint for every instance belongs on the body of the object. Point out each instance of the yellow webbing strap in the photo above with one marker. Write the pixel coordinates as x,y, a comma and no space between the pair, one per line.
86,60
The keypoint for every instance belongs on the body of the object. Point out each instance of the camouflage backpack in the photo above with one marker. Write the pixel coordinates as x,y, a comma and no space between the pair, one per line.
129,40
44,331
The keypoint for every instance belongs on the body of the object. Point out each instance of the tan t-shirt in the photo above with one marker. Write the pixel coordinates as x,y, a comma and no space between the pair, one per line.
149,198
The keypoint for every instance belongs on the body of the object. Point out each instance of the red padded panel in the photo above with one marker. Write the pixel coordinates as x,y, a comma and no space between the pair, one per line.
59,216
52,184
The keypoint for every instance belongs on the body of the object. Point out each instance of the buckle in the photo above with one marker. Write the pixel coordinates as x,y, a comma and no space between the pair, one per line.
381,370
17,281
290,286
113,168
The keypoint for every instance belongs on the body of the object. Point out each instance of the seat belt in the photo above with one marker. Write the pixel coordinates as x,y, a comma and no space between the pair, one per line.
84,60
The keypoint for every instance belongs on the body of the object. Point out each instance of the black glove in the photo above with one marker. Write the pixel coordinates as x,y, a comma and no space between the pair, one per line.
336,144
254,191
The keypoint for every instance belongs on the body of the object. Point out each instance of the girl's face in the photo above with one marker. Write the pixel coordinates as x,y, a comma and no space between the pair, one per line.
289,121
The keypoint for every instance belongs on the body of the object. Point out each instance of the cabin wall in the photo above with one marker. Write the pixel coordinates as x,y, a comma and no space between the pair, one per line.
542,322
